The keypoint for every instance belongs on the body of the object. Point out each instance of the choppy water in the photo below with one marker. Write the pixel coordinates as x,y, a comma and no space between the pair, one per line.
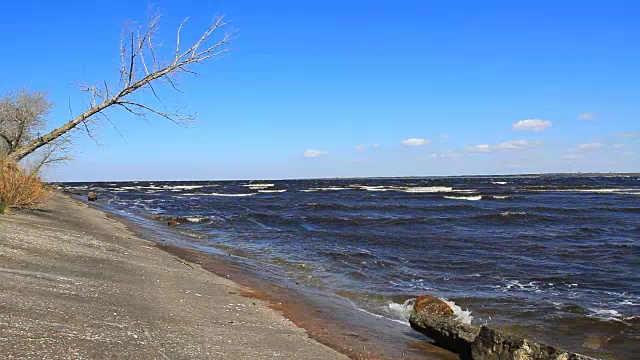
556,255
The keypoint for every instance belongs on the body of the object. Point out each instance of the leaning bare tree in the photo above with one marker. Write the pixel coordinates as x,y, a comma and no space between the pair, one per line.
141,68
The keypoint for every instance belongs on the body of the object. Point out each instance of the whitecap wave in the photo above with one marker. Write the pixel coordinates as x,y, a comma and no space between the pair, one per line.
77,187
378,188
629,302
469,198
258,185
627,191
610,315
512,213
516,285
499,182
182,187
331,188
218,194
606,312
464,191
164,187
428,189
272,191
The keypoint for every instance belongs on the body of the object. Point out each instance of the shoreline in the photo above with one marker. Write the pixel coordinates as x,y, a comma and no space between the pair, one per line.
76,283
328,321
309,247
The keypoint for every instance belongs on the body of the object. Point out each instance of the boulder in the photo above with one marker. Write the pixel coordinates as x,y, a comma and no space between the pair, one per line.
173,222
431,305
92,196
493,344
434,318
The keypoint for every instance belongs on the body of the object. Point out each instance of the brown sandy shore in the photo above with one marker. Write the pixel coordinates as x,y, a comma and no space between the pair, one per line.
75,284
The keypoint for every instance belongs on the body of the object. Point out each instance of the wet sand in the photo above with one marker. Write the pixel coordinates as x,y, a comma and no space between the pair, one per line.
75,284
333,322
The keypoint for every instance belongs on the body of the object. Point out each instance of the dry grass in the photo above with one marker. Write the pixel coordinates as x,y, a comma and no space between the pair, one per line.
20,188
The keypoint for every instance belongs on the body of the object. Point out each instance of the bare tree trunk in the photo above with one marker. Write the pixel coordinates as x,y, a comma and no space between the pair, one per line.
136,74
28,149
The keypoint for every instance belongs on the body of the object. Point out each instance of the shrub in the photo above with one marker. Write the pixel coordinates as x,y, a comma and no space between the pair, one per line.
20,188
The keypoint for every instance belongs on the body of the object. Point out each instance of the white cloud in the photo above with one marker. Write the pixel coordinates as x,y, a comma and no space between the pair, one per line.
478,148
517,145
629,135
628,153
531,125
573,156
618,146
415,142
447,154
375,146
361,148
588,116
312,153
505,146
590,146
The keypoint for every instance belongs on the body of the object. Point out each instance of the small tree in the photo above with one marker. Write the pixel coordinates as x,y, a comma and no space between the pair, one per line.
22,118
141,68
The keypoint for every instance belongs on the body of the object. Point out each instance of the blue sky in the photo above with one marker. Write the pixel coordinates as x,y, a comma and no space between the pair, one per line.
352,88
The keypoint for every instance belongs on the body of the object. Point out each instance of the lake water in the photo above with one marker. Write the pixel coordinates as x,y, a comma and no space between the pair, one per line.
556,256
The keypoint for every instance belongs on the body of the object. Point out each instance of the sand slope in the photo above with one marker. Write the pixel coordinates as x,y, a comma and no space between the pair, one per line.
75,284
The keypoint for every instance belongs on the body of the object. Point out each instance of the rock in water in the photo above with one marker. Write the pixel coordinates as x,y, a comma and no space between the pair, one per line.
434,318
92,196
173,222
491,344
431,305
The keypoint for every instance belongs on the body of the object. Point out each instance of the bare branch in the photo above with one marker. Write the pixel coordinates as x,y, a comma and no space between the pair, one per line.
178,36
174,117
112,123
137,50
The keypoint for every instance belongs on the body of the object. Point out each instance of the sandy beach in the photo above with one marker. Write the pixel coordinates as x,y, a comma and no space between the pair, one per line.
75,284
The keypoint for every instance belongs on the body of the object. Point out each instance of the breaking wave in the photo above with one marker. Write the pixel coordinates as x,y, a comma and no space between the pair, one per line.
219,194
428,189
403,311
331,188
469,198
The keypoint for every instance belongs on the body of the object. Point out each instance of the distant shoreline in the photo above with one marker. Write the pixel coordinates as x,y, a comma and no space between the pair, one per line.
578,174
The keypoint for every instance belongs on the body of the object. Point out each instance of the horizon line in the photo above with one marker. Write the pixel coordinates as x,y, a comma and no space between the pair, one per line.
374,177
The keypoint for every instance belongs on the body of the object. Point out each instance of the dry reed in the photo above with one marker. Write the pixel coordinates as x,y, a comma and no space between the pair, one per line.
20,188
